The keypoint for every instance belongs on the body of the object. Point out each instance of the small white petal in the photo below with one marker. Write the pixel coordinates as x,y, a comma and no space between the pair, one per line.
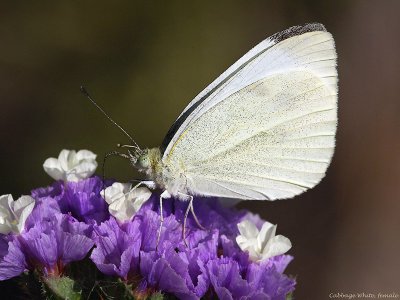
53,168
266,233
71,166
5,213
141,195
120,210
21,203
276,246
254,255
115,192
244,243
82,170
124,203
85,154
25,206
248,229
5,201
13,214
261,244
65,158
5,227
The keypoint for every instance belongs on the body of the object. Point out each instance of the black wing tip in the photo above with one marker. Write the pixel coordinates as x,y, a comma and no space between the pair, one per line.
297,30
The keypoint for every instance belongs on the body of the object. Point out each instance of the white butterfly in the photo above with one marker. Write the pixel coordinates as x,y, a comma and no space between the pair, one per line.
263,130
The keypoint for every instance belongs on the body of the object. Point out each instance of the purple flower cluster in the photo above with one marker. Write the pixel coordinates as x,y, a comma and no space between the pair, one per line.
211,263
70,221
57,232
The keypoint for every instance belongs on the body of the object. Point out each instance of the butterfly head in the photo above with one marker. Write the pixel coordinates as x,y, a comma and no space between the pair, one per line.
143,160
149,161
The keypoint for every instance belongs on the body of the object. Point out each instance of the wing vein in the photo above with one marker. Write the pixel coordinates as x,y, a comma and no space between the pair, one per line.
266,130
271,178
241,183
225,187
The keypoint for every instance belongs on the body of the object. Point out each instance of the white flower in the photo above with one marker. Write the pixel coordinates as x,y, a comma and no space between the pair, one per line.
123,202
71,165
261,244
13,214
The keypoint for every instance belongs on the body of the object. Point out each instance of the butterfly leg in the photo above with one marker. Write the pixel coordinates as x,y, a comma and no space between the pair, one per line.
195,217
192,210
164,195
190,207
148,183
184,221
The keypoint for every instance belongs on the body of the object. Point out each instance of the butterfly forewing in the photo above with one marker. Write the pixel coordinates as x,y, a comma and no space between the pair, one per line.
265,129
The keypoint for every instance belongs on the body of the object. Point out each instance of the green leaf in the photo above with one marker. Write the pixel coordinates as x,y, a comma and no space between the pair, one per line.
157,296
62,288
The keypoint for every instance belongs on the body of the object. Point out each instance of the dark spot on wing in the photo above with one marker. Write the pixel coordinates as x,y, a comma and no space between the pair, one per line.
297,30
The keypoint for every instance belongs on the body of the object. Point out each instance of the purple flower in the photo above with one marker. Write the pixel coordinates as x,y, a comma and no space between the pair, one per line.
202,247
81,199
12,259
44,210
48,246
212,263
260,281
226,280
183,266
116,252
267,277
117,246
71,165
166,272
54,191
53,235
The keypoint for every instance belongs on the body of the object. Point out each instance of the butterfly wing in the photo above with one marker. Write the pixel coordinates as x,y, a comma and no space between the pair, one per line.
265,129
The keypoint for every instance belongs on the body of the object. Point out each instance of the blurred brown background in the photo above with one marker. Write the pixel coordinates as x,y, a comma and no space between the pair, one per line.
143,61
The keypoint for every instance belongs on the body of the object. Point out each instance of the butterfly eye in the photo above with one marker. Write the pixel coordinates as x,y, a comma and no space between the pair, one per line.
143,162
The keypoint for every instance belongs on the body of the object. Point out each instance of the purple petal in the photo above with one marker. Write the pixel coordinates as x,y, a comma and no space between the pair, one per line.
163,277
230,249
74,247
83,201
280,262
12,259
41,248
55,191
44,210
202,248
226,279
171,230
56,242
268,278
116,252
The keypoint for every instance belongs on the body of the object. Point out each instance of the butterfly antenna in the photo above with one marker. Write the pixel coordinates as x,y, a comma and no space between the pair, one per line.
86,94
